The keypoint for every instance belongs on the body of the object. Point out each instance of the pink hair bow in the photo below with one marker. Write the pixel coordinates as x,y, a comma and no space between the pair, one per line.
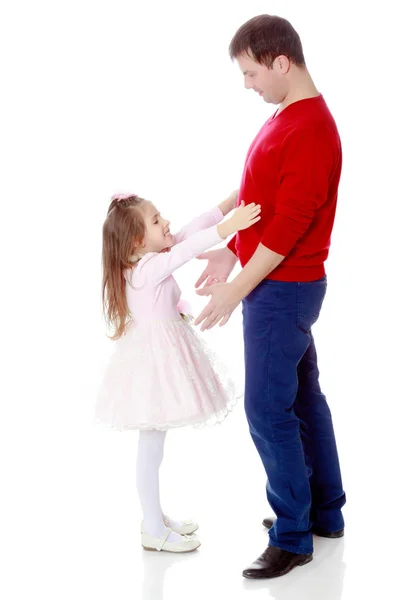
121,196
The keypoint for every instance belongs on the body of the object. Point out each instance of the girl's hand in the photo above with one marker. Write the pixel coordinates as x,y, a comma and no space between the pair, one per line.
242,218
245,216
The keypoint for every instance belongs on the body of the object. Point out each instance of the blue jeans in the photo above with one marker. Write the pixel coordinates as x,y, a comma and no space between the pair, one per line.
289,418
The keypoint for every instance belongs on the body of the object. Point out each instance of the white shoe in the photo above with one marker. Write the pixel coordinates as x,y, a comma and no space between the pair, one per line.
187,527
187,544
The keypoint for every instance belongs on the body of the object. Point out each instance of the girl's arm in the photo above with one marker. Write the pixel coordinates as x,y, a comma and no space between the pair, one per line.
204,221
208,219
230,203
159,266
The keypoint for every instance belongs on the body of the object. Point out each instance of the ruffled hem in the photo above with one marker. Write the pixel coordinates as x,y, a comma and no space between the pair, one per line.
163,375
198,422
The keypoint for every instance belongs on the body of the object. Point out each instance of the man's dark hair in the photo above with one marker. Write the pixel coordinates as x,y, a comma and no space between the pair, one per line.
265,38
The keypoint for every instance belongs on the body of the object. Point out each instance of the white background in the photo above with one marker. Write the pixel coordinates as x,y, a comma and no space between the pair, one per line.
99,97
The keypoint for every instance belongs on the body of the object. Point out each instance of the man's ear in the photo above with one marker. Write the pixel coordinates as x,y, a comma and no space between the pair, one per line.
283,63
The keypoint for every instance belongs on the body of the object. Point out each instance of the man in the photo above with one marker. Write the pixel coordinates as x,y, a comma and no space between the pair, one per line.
292,169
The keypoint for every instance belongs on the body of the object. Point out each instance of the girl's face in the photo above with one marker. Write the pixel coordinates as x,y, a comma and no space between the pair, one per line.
157,236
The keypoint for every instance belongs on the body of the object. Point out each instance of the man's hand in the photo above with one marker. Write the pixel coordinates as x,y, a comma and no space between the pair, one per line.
226,296
224,300
220,265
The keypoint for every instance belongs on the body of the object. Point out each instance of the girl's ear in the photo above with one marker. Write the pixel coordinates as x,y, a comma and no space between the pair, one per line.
138,245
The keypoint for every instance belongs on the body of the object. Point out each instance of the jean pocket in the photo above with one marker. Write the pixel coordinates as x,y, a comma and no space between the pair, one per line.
310,297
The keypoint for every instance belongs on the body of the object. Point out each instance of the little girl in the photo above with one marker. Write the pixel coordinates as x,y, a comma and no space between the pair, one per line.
161,374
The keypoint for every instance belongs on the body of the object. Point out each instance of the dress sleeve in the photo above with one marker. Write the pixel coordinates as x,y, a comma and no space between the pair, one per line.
157,266
208,219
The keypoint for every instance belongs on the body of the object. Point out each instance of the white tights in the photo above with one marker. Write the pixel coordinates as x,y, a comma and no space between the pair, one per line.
149,458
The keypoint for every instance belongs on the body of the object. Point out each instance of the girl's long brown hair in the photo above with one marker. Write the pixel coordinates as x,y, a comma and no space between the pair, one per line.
123,231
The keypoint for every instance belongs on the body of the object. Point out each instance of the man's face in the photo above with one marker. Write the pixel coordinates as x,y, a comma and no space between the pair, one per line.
270,83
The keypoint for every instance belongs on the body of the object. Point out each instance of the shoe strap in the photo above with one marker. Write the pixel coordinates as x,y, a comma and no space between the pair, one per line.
160,546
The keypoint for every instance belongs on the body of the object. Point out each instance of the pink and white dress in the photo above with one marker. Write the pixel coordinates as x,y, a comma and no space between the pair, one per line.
162,374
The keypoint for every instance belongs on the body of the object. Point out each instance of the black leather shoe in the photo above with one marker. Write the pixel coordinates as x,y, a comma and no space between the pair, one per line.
327,534
275,562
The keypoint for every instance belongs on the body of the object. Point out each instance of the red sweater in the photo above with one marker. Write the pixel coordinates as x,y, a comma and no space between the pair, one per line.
293,170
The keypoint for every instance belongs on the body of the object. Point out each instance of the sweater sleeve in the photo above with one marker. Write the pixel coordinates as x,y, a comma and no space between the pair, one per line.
306,163
158,266
208,219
